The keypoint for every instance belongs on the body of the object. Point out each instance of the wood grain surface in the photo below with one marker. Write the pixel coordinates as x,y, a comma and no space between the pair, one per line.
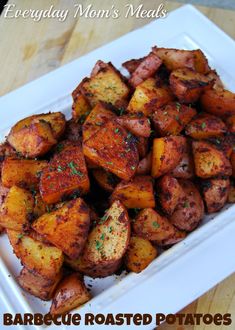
30,49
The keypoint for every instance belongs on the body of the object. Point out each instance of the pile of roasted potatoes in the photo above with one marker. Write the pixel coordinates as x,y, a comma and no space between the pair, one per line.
142,160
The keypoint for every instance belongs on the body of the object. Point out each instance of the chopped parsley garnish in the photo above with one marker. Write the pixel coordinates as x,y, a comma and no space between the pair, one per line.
116,130
98,245
109,163
178,106
155,224
102,236
104,218
59,168
186,204
133,167
110,229
20,236
203,125
72,166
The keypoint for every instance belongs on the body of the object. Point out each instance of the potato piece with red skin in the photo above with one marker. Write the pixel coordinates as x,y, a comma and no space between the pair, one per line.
209,161
106,180
70,293
177,237
72,221
113,149
220,103
190,210
65,174
106,243
140,254
215,193
169,193
172,118
22,172
188,85
175,59
146,69
142,146
150,225
167,153
136,193
185,168
37,285
205,126
145,165
148,96
137,125
133,64
99,115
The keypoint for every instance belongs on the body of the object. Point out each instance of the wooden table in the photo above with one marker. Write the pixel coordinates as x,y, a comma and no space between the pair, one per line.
30,49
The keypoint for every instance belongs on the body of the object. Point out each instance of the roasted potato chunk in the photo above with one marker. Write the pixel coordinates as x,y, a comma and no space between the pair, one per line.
188,85
145,165
65,174
106,180
132,64
113,149
22,172
177,237
33,140
137,193
169,193
185,168
233,163
152,226
140,254
35,135
230,122
72,221
209,161
205,126
137,125
146,69
231,193
167,153
172,118
190,210
36,256
70,293
106,84
148,96
216,81
215,193
80,109
107,243
220,103
99,115
37,285
17,209
175,59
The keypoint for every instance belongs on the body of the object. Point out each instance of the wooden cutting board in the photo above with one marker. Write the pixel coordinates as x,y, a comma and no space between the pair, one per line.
30,49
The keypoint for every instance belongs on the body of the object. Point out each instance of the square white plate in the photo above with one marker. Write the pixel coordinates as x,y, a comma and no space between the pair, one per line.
190,268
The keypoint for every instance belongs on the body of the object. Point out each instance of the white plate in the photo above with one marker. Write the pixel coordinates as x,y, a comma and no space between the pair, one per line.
191,267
